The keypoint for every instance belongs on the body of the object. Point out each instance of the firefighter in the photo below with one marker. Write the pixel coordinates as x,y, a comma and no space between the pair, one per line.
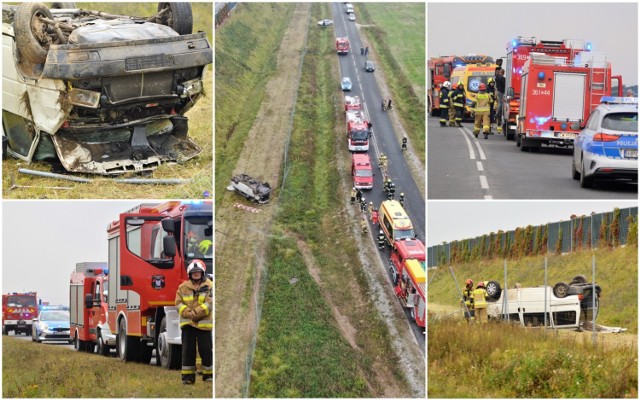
363,226
382,163
467,298
491,91
500,86
383,104
444,102
404,142
481,110
370,128
194,301
353,195
192,242
480,303
459,98
374,216
370,208
358,195
389,106
452,111
363,204
402,199
392,190
381,240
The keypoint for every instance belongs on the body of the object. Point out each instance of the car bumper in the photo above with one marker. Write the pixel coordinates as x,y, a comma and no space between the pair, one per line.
53,336
601,167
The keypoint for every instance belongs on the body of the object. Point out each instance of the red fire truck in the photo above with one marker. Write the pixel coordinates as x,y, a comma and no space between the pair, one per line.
150,247
88,295
440,69
18,312
361,171
518,51
342,45
352,103
357,131
558,95
407,265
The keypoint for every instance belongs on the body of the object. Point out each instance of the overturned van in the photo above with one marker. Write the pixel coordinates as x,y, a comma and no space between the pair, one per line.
102,93
567,305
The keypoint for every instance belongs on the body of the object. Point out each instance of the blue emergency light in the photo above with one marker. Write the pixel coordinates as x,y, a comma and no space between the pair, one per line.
588,46
618,100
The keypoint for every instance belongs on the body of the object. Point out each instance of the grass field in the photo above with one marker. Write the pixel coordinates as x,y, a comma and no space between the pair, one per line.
199,169
47,370
396,32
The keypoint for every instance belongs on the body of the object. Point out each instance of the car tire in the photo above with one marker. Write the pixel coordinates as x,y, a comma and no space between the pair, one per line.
585,181
578,279
31,37
574,172
493,290
560,290
60,5
180,17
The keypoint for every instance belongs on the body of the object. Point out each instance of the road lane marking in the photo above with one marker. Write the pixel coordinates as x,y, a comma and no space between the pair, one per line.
483,182
480,166
472,154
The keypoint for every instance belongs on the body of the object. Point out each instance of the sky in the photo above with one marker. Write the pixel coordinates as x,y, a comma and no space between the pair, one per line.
43,240
455,220
611,28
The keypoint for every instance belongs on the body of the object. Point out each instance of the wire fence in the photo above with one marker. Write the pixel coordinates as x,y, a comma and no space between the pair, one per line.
580,232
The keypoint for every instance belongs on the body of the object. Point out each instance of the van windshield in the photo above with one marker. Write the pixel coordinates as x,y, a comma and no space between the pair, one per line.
364,173
359,134
399,234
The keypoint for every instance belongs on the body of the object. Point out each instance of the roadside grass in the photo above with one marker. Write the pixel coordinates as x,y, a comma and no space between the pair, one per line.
502,360
245,45
45,371
198,169
396,33
300,350
616,273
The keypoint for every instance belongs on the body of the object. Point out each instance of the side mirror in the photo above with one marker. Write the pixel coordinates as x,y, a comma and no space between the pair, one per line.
169,245
168,225
88,300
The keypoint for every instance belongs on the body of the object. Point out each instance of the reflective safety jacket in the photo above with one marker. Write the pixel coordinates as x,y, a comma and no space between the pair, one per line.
444,98
194,305
480,298
458,98
467,297
483,101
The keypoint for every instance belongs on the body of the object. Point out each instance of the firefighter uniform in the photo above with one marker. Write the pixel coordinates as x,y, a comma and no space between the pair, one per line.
353,195
363,226
491,90
452,111
467,298
444,104
381,240
481,110
458,103
194,306
480,303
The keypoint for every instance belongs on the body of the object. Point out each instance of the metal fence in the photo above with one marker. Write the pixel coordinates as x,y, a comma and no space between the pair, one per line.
590,235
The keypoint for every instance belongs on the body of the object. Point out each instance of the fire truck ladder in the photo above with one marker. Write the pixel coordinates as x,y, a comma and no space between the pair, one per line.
598,83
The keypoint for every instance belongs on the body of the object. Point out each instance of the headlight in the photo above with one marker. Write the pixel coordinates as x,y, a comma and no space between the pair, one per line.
43,326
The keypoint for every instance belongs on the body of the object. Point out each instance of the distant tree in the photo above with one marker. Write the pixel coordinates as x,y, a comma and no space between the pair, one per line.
614,232
632,233
577,234
559,242
545,238
604,232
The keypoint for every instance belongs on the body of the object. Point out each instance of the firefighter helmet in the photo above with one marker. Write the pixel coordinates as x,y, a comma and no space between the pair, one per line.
469,282
191,234
483,86
194,266
481,284
490,80
447,84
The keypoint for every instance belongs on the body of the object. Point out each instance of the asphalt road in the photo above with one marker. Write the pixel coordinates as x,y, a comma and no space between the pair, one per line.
384,138
462,167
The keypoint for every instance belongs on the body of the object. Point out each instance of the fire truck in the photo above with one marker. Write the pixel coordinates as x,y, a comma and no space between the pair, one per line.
558,95
342,45
407,267
88,295
150,247
518,53
361,171
352,103
440,70
18,312
357,131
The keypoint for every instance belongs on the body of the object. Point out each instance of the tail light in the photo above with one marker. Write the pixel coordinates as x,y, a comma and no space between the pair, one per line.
605,137
580,297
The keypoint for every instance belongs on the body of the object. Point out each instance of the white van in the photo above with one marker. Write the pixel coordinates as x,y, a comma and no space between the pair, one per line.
567,305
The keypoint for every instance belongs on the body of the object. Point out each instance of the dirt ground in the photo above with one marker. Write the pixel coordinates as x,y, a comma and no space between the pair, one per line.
237,264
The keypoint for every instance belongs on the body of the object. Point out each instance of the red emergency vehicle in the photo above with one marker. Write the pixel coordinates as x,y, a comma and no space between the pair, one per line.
558,95
357,131
361,171
150,248
352,103
88,311
18,312
518,51
342,45
407,265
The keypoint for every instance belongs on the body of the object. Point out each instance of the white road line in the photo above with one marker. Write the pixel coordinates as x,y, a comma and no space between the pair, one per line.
488,197
480,166
472,155
480,152
483,182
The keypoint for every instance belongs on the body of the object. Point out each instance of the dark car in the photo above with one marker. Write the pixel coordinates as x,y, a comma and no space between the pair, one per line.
369,66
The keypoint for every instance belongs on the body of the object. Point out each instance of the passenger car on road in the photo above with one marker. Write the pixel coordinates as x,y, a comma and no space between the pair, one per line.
51,325
352,17
607,147
101,93
369,66
325,22
346,84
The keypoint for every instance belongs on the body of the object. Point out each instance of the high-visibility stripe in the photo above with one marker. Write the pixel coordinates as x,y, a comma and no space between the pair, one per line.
201,325
181,309
206,308
187,298
202,298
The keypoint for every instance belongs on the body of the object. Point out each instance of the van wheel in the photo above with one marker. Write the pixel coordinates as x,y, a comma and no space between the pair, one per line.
32,38
578,279
493,290
178,17
560,290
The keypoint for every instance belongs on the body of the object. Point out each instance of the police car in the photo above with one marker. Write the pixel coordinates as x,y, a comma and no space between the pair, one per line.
51,325
607,148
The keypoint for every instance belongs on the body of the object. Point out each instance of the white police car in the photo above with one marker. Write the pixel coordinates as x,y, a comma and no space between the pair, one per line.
52,325
607,148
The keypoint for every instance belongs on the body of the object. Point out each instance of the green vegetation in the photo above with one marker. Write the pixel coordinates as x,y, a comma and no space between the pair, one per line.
501,360
245,45
43,370
396,33
616,273
300,350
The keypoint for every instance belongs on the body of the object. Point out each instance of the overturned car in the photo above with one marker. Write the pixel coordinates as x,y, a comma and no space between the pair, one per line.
250,188
104,94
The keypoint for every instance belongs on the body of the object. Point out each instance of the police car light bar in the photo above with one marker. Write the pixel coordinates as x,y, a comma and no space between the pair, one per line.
618,100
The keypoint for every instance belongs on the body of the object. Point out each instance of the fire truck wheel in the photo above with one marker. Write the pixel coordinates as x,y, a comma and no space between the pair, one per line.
169,356
75,341
144,353
127,345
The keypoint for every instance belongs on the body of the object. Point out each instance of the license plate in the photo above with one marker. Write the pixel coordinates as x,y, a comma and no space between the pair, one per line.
630,153
22,322
567,135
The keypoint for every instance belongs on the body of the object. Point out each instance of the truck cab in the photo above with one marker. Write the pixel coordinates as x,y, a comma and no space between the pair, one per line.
361,171
18,312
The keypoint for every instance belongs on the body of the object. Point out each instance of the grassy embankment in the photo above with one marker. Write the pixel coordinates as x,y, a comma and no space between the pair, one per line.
43,370
244,64
504,361
199,169
300,351
396,33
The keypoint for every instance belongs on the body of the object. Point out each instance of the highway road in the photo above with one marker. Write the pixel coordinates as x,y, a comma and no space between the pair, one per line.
462,167
384,138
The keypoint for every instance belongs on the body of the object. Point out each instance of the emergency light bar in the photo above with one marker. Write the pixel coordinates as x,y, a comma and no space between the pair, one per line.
618,100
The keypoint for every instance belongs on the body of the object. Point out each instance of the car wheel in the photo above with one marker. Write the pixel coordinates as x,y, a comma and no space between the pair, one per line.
63,5
560,290
585,181
179,17
493,290
574,172
578,279
31,34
